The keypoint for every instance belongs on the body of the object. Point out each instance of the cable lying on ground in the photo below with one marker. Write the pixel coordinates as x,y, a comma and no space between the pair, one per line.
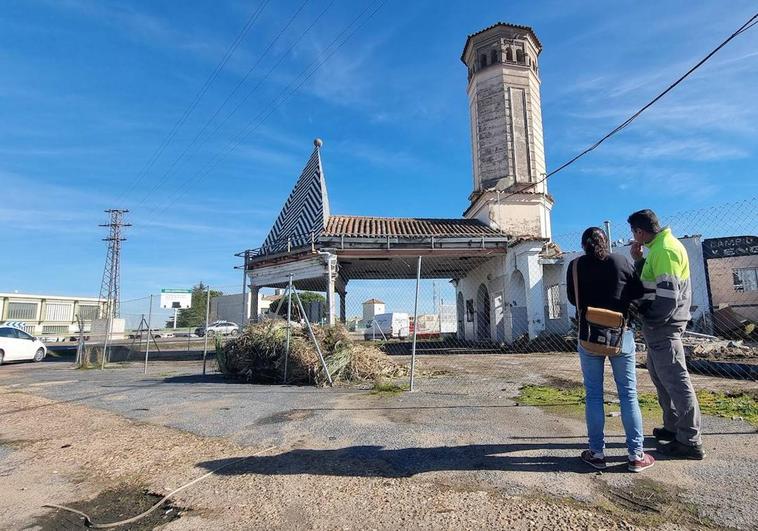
88,521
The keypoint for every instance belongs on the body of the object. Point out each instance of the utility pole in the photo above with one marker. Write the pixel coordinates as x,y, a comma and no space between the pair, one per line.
110,287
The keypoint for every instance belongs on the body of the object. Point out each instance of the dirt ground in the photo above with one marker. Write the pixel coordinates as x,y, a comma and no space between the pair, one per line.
457,454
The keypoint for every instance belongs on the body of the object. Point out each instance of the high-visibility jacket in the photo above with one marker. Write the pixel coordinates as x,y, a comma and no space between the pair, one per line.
665,275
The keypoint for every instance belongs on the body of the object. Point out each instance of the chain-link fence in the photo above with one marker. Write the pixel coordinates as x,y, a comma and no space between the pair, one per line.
481,320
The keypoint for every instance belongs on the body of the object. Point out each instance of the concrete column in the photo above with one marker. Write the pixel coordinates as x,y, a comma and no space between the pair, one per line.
251,306
343,307
330,302
535,301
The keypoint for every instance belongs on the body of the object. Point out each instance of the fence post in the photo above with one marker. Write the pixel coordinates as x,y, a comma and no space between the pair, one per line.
149,331
415,322
108,327
80,344
289,327
244,294
313,338
205,334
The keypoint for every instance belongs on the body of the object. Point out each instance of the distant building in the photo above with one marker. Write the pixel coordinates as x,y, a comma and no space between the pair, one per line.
732,266
371,308
229,307
50,316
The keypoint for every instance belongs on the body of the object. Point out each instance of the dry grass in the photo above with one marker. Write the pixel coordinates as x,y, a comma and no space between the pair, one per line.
258,355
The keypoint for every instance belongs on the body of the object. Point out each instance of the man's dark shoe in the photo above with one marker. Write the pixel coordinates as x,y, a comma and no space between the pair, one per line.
594,460
677,450
662,434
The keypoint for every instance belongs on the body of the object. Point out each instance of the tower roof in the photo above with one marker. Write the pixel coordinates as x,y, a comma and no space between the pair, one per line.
306,210
528,29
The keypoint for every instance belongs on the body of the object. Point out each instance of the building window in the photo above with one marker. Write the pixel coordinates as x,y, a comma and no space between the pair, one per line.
554,302
519,56
483,60
22,310
493,57
745,279
89,312
470,310
57,311
54,330
508,54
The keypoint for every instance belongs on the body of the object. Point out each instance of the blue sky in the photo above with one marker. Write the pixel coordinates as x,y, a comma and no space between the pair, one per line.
89,91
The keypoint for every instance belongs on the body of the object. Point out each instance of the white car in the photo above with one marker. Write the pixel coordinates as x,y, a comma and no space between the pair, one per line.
17,345
221,328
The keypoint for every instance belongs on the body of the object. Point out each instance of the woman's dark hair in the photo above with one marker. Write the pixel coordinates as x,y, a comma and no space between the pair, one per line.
595,243
645,220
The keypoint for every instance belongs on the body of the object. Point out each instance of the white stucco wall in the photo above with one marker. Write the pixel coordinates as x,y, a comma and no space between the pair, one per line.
514,309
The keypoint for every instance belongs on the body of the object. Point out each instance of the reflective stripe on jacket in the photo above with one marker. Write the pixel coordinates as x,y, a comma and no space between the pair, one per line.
665,275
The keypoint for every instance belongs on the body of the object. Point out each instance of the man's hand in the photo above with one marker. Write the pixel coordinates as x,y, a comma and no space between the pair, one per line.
636,251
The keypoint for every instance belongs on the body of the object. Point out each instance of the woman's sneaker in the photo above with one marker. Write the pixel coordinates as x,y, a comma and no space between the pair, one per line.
662,434
594,460
640,463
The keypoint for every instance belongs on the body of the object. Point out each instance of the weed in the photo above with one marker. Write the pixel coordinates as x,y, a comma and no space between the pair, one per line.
727,405
386,387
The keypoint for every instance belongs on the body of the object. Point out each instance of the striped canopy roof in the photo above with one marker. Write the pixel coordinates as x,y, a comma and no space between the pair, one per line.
306,210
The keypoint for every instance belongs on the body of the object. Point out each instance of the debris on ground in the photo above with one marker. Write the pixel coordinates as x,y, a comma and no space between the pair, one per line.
731,324
701,346
257,355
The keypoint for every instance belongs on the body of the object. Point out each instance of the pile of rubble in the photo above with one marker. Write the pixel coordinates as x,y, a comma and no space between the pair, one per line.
701,346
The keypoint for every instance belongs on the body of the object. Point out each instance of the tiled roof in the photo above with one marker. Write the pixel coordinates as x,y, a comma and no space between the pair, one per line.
373,227
519,26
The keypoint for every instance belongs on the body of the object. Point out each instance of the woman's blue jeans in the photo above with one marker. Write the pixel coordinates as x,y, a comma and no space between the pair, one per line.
623,367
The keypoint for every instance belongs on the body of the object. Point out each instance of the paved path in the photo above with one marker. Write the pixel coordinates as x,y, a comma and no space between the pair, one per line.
456,440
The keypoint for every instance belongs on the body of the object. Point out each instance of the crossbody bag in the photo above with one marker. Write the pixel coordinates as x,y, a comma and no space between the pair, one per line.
605,328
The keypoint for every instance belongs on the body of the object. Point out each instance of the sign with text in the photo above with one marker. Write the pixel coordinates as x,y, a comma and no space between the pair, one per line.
176,298
730,247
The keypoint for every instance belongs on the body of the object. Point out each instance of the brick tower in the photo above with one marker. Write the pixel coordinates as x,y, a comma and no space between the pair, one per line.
506,130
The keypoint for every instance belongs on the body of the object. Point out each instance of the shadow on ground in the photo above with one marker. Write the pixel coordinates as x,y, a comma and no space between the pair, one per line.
377,461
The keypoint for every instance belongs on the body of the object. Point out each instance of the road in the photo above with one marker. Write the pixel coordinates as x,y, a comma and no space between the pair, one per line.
458,454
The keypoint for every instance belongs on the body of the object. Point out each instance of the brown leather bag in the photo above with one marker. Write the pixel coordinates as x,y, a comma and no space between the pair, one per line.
605,328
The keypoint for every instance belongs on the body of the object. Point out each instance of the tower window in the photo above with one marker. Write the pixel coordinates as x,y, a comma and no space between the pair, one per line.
519,56
508,54
493,57
483,60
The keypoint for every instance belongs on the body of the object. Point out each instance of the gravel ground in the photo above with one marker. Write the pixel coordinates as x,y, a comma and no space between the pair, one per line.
458,454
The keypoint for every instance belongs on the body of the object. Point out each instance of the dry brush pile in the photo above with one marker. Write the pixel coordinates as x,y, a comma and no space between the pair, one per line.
257,356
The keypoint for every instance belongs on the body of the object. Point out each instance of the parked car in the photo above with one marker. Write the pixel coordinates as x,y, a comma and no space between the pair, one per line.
221,328
17,345
157,333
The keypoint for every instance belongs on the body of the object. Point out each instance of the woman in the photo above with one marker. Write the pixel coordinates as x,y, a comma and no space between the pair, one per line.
608,281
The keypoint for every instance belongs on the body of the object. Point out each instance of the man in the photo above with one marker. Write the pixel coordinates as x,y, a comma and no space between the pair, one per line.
665,310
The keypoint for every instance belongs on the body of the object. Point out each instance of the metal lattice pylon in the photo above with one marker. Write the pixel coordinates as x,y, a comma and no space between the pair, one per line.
110,286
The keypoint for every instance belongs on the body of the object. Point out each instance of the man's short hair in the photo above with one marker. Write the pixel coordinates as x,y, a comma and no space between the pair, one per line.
645,220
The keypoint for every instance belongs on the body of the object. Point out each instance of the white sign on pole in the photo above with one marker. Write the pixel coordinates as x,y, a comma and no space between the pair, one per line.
179,299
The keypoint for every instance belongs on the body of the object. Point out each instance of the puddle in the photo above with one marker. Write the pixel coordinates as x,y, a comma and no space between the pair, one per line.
285,416
111,506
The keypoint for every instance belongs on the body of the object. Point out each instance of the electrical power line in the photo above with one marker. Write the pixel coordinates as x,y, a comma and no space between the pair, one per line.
746,26
163,179
203,89
273,105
